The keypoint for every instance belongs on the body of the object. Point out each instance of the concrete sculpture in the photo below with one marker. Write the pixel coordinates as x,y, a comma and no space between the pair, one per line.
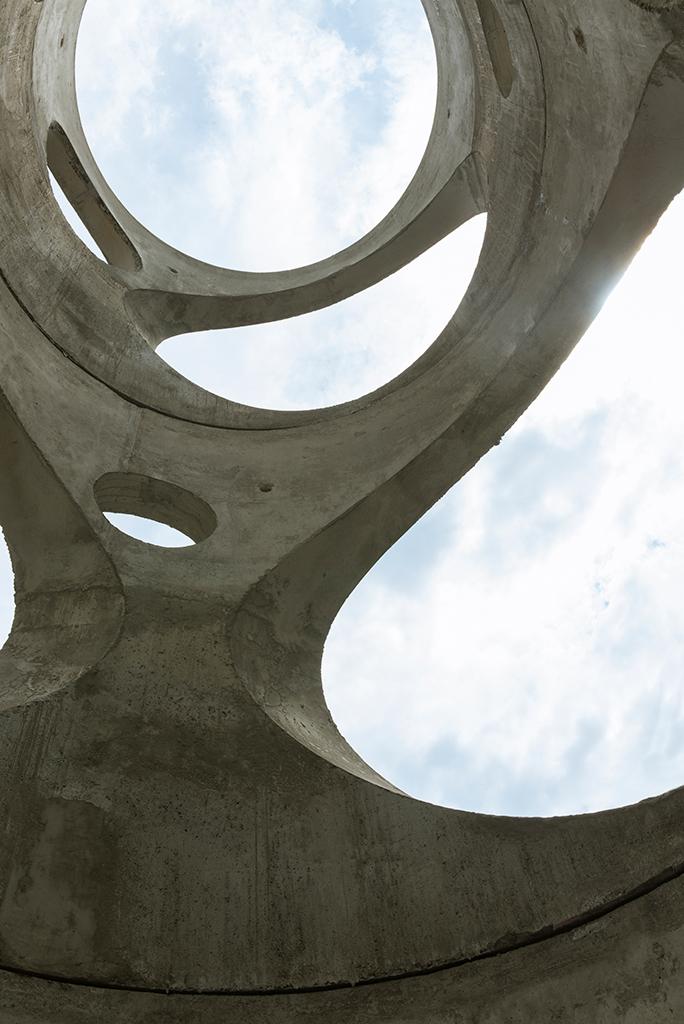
184,835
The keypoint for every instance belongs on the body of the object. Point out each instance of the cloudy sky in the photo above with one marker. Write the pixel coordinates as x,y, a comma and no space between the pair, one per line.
521,650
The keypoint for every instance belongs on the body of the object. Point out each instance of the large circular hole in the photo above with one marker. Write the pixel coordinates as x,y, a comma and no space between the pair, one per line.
260,135
521,650
336,354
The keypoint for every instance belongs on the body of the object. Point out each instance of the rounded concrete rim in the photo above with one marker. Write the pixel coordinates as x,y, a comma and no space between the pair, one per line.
254,279
142,280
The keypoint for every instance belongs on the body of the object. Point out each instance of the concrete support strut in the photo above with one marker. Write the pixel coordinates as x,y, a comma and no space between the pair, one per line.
184,835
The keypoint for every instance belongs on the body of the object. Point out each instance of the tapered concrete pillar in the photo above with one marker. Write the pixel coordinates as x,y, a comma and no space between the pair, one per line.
185,837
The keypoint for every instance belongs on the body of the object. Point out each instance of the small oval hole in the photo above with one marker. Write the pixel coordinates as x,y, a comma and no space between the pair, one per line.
153,510
148,530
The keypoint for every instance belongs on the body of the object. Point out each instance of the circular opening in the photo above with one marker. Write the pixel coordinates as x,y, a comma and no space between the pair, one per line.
340,353
153,510
259,136
521,650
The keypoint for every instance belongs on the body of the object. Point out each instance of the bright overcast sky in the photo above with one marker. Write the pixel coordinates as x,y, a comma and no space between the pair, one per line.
521,650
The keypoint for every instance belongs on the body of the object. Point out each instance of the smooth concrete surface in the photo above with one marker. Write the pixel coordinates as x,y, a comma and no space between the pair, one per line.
184,835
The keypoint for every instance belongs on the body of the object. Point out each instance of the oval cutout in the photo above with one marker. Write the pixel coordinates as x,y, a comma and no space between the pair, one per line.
499,48
520,651
271,135
343,352
73,220
145,498
77,189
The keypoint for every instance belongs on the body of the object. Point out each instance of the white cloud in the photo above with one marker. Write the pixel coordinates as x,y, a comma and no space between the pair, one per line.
119,64
340,353
537,663
253,133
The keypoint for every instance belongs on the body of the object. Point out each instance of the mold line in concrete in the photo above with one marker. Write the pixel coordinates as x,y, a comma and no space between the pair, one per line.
504,948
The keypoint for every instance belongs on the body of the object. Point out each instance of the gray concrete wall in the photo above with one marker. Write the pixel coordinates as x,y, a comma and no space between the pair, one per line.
179,813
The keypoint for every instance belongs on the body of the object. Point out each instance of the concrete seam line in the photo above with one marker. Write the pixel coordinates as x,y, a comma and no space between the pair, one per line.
667,877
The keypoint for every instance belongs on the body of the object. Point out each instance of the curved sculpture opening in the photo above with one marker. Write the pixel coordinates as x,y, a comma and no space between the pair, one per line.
498,46
76,194
340,353
148,530
6,591
268,135
153,510
520,650
73,219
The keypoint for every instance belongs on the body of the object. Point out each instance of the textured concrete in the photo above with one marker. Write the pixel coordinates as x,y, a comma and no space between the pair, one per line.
185,836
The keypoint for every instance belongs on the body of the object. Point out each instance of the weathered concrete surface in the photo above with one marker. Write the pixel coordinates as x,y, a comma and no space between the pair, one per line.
624,969
178,812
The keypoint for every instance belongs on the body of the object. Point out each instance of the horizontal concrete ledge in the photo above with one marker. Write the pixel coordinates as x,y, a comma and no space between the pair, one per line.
507,945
